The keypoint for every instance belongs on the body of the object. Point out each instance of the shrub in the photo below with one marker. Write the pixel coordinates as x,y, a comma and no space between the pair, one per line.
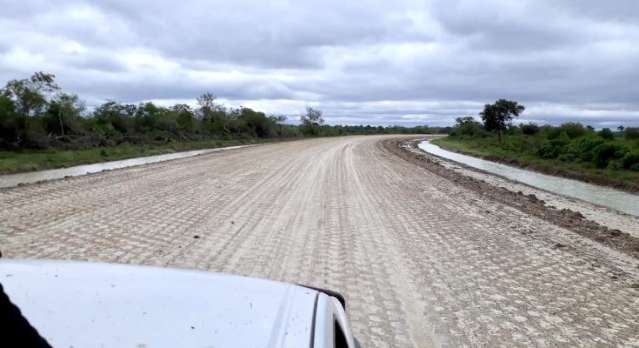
606,133
567,157
615,164
630,161
35,135
467,126
553,148
606,152
584,147
529,129
551,132
631,133
573,130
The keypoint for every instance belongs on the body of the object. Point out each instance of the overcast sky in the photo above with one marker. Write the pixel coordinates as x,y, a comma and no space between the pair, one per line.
370,62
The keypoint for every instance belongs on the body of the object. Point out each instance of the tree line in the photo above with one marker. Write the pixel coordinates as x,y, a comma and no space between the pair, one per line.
570,142
36,114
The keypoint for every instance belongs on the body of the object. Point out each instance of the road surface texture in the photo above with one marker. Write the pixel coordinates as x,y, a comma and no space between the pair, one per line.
422,262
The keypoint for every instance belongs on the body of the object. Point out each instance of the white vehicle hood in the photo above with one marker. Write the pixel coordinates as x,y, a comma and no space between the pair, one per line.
108,305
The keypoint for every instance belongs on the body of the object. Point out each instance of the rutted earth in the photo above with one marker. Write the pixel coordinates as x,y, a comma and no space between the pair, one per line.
422,261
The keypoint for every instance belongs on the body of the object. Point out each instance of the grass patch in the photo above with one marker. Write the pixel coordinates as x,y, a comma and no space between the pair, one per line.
30,160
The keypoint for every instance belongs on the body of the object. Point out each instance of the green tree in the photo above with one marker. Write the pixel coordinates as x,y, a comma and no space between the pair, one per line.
498,116
215,118
467,126
11,125
606,133
312,121
573,129
113,117
256,123
185,117
31,95
147,116
279,120
529,128
63,114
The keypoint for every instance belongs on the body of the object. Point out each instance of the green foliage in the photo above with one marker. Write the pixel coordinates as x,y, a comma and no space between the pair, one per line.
36,114
64,115
573,130
553,148
584,148
311,121
11,125
590,157
498,116
606,152
630,161
549,132
606,133
467,126
529,128
570,144
31,95
184,118
631,133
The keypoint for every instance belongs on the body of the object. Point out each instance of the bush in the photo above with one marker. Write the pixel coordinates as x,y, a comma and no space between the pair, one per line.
553,148
630,161
631,133
35,136
615,164
467,126
567,157
573,130
606,133
529,129
584,148
551,132
606,152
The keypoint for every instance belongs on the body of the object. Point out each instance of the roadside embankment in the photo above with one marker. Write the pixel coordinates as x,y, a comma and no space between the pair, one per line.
34,160
528,203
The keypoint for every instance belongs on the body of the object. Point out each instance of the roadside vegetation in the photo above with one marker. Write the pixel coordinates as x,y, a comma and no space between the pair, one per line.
43,127
573,150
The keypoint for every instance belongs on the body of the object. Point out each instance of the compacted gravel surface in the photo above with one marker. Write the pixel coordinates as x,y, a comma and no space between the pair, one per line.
421,260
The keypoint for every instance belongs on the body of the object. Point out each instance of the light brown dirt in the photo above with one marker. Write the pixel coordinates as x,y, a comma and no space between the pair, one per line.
422,261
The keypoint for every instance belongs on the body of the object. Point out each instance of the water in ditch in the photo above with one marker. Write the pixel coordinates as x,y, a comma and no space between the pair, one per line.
600,195
12,180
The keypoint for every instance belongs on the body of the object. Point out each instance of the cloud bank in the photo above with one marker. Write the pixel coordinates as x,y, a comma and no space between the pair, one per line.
364,62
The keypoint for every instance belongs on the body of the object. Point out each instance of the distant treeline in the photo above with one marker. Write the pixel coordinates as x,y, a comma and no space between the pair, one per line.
36,114
568,143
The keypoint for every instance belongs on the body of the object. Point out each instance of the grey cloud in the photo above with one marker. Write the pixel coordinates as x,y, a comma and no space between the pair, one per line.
618,10
377,62
280,34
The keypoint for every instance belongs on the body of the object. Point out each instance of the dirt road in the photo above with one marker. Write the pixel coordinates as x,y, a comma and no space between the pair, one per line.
423,262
